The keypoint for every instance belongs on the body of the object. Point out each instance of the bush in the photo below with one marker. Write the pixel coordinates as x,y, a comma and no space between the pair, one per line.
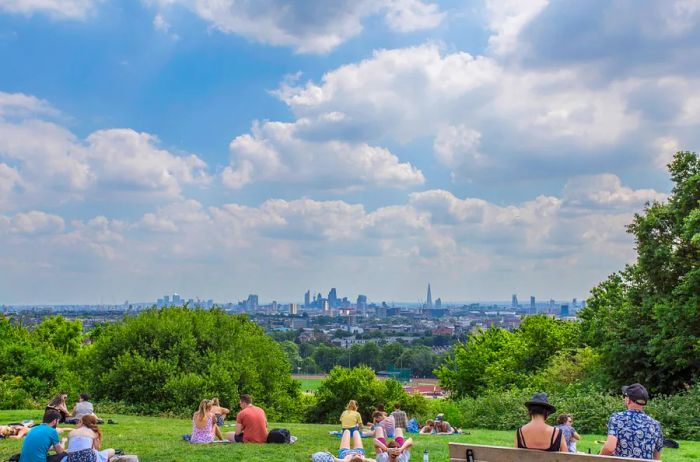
167,360
12,396
362,385
679,414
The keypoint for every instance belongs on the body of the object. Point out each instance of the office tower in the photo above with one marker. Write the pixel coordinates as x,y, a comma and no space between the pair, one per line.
438,303
294,308
429,299
326,307
333,298
166,300
307,299
514,301
251,304
362,305
533,310
177,301
574,304
564,310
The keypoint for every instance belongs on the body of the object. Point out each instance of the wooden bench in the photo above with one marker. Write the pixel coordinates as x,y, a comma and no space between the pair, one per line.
458,453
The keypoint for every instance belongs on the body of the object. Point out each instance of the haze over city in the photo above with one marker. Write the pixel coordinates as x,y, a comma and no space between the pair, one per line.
222,149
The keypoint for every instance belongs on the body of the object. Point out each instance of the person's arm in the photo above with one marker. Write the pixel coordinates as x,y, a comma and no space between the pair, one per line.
575,436
97,443
609,446
239,428
224,411
379,445
562,446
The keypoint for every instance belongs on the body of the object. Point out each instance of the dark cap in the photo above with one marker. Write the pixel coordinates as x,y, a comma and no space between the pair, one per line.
636,393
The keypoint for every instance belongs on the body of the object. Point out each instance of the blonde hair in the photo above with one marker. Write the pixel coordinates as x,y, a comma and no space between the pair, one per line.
352,405
215,401
204,407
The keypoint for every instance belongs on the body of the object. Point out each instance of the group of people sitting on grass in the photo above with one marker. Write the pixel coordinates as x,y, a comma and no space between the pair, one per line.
83,443
251,423
82,407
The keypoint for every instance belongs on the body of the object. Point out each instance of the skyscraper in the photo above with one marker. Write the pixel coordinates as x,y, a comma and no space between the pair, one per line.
533,310
514,301
307,299
429,299
362,305
294,308
333,298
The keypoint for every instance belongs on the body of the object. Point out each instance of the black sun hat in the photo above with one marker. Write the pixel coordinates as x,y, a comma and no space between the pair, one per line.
540,399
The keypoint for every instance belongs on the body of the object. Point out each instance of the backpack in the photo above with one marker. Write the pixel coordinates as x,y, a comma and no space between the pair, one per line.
412,426
278,436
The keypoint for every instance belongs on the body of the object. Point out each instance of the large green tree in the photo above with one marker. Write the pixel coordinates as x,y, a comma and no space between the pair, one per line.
645,320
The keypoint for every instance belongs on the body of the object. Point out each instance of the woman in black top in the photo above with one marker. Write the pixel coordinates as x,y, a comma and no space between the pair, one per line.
58,404
537,434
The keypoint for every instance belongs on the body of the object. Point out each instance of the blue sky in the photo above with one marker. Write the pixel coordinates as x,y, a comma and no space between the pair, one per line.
220,148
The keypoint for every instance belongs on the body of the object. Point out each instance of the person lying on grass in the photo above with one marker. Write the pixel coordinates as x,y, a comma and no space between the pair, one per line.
13,431
398,450
428,428
347,452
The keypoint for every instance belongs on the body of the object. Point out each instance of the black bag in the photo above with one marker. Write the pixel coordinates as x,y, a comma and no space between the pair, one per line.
14,458
278,436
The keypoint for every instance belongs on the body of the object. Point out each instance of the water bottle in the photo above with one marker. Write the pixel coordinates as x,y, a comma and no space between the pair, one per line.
426,458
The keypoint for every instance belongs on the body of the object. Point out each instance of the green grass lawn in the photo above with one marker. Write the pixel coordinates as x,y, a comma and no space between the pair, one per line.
309,384
159,439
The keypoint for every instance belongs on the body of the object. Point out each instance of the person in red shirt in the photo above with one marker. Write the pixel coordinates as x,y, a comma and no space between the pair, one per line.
251,423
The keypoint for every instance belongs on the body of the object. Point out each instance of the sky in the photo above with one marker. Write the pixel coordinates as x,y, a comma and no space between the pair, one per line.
217,148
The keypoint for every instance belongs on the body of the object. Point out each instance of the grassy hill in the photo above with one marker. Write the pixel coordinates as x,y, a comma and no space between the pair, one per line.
160,440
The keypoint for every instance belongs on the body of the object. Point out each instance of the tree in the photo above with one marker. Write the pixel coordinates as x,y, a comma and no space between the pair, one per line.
169,359
646,319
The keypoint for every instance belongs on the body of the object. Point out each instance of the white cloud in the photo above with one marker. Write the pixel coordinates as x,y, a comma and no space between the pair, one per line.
506,18
32,223
606,191
458,148
59,9
42,162
276,151
160,23
312,26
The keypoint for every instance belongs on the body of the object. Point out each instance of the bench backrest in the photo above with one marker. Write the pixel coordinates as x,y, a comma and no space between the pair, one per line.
458,453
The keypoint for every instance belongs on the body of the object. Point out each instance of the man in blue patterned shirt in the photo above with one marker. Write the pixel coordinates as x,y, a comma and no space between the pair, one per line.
633,433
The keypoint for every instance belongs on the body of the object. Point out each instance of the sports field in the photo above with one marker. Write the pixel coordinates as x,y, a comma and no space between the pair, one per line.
156,439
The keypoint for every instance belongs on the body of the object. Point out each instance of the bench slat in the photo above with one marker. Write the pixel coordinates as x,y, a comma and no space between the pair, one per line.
458,453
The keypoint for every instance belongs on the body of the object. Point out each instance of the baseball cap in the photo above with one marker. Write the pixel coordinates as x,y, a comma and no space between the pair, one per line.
637,393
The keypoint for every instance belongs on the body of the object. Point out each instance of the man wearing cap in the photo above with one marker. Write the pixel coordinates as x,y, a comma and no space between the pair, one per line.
632,433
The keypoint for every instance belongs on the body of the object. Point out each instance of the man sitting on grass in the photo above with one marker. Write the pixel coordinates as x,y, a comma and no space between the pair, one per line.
251,423
41,439
393,451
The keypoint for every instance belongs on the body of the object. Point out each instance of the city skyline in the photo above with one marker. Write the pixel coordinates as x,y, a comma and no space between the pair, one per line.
225,149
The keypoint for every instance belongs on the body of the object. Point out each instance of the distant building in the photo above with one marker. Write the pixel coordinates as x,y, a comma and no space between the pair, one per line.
429,299
326,306
177,301
533,308
307,299
251,304
294,308
166,300
362,305
438,303
514,301
333,298
564,310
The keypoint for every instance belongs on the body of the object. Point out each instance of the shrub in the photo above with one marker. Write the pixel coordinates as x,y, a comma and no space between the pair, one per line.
167,360
360,384
679,414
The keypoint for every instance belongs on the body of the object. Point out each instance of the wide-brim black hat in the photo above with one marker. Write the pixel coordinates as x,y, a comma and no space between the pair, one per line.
540,399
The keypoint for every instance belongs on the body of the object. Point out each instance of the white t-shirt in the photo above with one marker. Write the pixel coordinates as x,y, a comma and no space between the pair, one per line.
403,457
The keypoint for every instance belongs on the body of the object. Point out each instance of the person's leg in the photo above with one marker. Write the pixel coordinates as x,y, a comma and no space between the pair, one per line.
55,457
398,436
357,441
233,438
345,440
217,433
381,437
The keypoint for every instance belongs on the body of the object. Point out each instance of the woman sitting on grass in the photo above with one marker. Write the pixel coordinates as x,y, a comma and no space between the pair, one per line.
204,427
58,404
220,412
350,419
85,441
